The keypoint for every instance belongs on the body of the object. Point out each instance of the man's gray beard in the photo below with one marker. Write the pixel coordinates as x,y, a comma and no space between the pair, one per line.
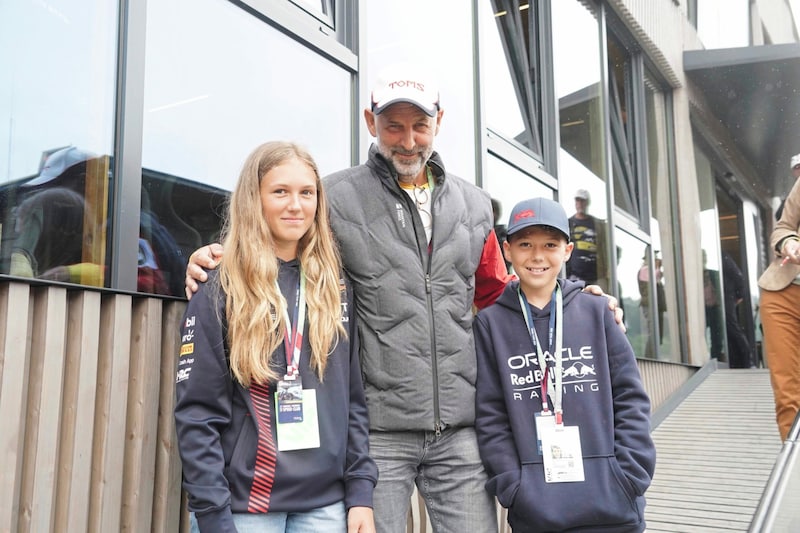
407,173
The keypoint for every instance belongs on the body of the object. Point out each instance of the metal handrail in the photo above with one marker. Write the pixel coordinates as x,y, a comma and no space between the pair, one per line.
775,490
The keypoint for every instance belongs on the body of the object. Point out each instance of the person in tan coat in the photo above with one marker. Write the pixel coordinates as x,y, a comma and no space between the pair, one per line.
780,311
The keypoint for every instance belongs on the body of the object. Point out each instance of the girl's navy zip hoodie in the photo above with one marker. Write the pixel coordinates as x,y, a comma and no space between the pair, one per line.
219,427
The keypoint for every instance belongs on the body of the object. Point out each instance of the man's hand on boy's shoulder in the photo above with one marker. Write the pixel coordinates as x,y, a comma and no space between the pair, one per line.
613,304
207,257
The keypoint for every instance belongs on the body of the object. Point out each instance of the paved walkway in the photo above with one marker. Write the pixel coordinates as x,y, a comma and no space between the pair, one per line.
715,454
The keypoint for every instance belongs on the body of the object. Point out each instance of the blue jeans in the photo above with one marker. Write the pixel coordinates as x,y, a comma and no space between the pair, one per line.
448,473
329,519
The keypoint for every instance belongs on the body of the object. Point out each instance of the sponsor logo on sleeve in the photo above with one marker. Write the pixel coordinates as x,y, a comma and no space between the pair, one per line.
187,346
183,374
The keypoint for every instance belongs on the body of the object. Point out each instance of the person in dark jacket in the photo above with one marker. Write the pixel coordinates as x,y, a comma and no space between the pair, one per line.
740,351
562,417
271,417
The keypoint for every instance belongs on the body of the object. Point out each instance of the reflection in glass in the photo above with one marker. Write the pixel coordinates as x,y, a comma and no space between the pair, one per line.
507,186
661,231
653,302
56,138
631,257
177,217
621,109
709,247
209,102
510,70
61,220
576,61
589,261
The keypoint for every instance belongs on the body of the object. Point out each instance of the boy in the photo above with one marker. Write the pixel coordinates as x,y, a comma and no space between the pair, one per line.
579,456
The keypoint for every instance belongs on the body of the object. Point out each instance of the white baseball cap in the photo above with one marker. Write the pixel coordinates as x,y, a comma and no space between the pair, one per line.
405,83
795,161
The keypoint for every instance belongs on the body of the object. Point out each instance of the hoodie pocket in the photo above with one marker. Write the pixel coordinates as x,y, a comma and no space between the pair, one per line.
243,456
602,500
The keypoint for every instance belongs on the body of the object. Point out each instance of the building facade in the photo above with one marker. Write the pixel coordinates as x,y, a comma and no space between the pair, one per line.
123,126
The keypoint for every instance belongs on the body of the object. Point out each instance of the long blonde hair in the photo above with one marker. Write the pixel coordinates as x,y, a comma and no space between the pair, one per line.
249,270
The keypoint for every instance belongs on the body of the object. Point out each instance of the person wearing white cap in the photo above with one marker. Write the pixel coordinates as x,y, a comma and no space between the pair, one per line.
589,259
419,245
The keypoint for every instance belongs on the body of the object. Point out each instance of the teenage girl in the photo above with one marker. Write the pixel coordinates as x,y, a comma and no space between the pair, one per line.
270,414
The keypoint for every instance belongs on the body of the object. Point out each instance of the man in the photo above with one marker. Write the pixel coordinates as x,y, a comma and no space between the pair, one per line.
418,245
780,314
588,261
740,351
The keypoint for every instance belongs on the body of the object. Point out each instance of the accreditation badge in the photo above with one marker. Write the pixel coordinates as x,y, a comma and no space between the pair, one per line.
304,434
563,459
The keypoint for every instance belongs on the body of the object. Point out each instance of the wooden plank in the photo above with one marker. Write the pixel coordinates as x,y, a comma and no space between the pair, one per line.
108,447
43,417
80,387
142,416
167,489
14,368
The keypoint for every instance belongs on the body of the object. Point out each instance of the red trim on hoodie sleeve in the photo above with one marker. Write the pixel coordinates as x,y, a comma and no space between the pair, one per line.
491,277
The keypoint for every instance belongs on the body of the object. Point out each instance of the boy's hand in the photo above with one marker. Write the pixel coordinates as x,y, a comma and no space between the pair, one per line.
206,257
612,304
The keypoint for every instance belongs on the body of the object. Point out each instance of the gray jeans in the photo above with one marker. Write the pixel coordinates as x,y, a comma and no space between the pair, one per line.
448,473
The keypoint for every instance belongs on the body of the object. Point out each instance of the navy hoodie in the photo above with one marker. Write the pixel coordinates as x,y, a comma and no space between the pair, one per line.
602,394
221,424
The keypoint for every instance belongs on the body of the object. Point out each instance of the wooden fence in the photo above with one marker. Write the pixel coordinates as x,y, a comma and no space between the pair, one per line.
87,441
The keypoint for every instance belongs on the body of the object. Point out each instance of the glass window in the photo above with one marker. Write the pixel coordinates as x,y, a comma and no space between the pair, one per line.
584,199
392,38
623,139
510,70
582,162
209,102
321,9
57,89
691,11
712,261
508,185
661,229
633,290
723,23
576,61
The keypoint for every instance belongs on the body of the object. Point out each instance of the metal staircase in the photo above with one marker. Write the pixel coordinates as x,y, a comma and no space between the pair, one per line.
716,451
